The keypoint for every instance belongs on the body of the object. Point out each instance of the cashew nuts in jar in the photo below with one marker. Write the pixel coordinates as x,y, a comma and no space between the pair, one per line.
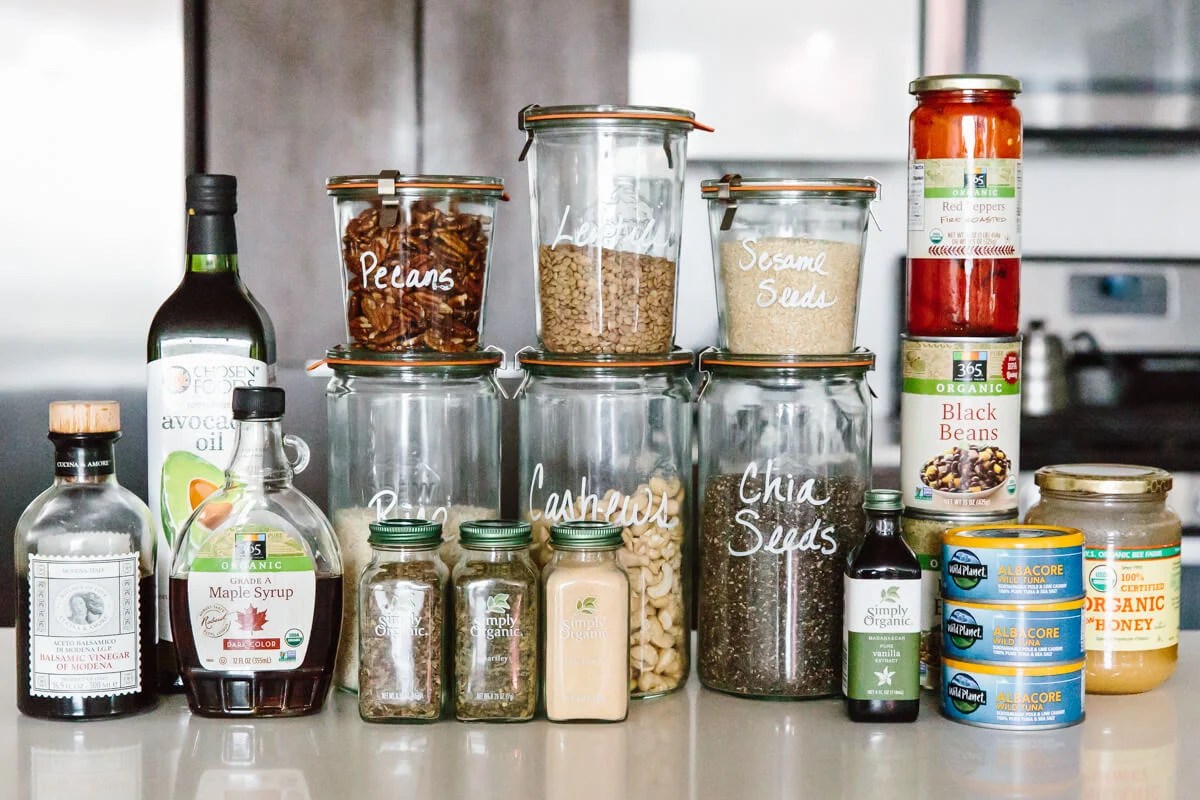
652,520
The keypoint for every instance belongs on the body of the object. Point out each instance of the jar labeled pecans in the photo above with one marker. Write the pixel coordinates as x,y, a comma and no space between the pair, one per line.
782,509
606,189
495,589
414,253
401,624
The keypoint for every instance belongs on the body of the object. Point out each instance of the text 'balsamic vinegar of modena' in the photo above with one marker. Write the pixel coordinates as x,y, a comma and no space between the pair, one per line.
209,337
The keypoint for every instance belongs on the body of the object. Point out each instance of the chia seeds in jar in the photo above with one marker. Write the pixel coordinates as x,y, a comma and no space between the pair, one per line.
495,588
923,530
782,510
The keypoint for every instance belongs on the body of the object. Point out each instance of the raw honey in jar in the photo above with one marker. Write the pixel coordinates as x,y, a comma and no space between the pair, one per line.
964,206
1131,568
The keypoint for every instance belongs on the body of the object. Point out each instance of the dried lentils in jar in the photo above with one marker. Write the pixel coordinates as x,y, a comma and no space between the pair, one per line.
495,588
402,607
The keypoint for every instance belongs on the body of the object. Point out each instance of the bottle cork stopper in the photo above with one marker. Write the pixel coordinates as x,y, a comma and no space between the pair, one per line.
85,416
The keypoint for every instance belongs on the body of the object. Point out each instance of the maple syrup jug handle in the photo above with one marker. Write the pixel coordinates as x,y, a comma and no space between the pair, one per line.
302,452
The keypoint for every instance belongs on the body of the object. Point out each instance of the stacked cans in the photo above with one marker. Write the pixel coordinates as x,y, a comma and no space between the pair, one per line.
1012,626
960,355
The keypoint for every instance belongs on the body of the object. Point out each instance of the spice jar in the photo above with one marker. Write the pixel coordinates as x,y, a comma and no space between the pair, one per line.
785,460
1131,568
402,599
410,435
788,256
610,439
495,586
964,206
414,257
587,624
606,191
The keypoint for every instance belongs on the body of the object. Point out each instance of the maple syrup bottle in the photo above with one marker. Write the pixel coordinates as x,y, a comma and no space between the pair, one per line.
256,580
881,629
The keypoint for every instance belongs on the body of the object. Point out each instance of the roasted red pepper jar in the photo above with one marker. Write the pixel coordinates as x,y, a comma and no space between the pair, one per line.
964,206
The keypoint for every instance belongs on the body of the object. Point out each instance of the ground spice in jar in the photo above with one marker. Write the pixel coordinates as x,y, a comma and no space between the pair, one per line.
402,603
771,564
495,589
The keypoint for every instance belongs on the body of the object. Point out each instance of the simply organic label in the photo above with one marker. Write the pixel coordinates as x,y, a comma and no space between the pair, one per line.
1132,598
964,208
495,619
882,639
251,596
189,422
84,626
960,421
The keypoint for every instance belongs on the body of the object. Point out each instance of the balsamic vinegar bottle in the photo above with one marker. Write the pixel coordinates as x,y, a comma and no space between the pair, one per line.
881,629
209,337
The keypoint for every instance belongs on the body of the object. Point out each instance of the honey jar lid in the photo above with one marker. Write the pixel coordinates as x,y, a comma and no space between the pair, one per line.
1122,479
85,416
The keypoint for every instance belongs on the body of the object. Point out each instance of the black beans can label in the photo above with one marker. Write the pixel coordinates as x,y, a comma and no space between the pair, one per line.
960,423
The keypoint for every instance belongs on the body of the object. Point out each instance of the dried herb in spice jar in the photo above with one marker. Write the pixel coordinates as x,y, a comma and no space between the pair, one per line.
495,588
402,641
772,554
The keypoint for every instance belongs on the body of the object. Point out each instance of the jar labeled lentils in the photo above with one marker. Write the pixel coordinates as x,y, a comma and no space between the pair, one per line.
785,460
1131,568
964,206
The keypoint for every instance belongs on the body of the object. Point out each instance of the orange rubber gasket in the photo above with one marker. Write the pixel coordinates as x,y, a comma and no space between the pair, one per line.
480,187
353,362
677,362
727,362
621,115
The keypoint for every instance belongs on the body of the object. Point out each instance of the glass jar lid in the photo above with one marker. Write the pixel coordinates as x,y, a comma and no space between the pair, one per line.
498,533
1098,479
390,183
585,534
541,362
404,532
727,186
346,360
722,362
965,82
535,117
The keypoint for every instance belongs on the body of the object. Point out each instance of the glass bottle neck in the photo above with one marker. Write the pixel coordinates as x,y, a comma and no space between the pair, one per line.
883,523
258,454
212,244
84,458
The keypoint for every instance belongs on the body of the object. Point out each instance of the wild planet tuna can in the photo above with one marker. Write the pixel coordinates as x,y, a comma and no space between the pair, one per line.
1012,564
960,423
1013,697
1013,633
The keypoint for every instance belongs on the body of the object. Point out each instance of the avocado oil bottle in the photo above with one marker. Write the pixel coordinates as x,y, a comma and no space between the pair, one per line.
209,337
881,630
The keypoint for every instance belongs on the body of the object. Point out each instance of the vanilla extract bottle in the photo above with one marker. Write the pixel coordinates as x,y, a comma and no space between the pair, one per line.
207,338
881,629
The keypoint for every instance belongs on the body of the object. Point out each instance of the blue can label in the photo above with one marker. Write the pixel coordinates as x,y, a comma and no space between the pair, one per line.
1012,697
995,575
1013,634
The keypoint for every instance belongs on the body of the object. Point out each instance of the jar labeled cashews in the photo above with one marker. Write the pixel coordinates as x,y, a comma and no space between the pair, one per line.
609,438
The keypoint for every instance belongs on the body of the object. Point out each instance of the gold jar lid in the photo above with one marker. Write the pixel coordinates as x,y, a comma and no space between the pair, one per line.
1123,479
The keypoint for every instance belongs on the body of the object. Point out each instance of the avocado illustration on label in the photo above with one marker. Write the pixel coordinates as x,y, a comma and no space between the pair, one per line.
187,480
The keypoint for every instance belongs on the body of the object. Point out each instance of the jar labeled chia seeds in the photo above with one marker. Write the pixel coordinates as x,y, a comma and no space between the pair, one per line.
785,460
609,438
410,435
923,530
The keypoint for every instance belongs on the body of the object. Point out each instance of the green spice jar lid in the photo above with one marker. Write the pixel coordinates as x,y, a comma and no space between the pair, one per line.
1097,479
585,534
498,533
405,532
882,500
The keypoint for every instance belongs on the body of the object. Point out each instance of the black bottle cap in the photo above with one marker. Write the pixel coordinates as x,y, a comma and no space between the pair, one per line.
211,194
257,402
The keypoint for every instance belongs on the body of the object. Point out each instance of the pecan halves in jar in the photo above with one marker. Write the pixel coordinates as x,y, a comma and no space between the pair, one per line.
417,285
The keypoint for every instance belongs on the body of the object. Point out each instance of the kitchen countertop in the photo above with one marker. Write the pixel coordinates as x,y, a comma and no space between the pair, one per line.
693,744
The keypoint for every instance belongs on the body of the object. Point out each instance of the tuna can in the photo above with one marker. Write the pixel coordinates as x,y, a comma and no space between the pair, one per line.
1013,633
960,423
1011,697
1012,564
923,530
